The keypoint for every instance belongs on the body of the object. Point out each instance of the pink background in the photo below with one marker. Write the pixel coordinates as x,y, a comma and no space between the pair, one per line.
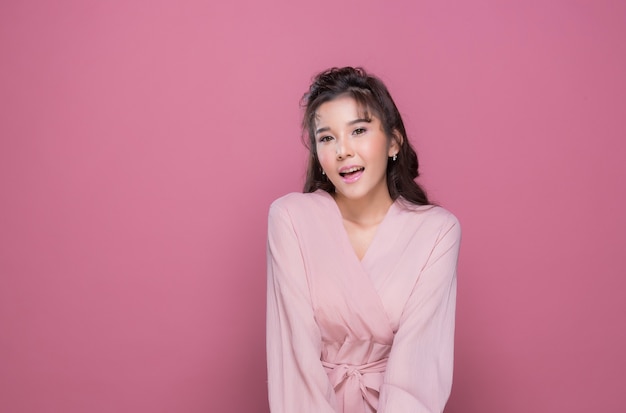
142,142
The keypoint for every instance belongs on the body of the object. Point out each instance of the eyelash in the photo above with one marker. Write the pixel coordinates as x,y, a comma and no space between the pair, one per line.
357,132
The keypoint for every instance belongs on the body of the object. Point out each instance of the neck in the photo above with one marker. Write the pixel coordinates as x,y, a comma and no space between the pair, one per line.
367,210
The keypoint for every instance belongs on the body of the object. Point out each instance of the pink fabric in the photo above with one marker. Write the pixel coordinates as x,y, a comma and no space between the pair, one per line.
356,383
350,336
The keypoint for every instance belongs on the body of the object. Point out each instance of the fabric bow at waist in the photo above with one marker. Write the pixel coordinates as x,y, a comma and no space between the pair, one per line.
355,380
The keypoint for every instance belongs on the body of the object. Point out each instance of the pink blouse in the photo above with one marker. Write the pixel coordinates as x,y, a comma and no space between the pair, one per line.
359,336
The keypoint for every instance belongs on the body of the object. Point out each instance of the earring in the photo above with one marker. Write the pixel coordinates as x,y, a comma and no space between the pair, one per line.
323,173
395,156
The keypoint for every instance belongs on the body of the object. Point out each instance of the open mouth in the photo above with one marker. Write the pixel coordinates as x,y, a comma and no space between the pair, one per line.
351,172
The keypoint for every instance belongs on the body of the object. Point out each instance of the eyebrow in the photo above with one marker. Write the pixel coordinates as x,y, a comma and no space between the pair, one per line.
352,122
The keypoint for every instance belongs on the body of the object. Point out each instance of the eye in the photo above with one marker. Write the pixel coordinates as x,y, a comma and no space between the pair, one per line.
325,138
359,131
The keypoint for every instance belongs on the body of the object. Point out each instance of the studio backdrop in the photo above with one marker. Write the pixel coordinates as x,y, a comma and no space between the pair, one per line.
141,143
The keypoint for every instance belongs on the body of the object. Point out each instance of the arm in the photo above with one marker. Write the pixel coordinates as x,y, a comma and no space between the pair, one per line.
419,372
297,382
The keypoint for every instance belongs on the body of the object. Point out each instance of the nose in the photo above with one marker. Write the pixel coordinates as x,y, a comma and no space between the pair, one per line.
343,148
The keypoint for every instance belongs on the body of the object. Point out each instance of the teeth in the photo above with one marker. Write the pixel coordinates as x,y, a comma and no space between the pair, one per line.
354,169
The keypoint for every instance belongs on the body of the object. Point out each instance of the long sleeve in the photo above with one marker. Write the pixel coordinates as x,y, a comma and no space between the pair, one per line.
297,382
419,371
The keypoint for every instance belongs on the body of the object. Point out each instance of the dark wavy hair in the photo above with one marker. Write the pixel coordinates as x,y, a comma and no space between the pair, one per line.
371,95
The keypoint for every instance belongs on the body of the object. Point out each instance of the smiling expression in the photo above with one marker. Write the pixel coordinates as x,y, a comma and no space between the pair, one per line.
352,148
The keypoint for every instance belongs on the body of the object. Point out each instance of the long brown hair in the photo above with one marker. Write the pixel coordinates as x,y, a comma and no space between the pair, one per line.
371,94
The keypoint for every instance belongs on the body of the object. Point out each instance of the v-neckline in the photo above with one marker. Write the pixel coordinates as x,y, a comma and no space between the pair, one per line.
344,232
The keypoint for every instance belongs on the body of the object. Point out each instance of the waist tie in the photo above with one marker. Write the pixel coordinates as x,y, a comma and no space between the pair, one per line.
356,380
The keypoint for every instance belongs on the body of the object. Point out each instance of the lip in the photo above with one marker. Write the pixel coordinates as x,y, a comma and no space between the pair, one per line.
353,177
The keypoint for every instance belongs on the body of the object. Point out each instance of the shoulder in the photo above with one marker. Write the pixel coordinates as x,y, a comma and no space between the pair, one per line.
298,204
434,217
303,213
301,201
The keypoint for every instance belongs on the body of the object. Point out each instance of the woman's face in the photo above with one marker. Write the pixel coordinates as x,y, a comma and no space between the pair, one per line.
353,151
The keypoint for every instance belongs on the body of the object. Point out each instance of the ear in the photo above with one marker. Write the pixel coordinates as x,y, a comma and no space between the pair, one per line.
395,143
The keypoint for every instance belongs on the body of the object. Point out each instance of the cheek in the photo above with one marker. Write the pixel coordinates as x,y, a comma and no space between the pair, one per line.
376,150
325,155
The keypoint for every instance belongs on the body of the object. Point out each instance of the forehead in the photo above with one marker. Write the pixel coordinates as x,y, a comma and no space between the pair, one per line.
342,108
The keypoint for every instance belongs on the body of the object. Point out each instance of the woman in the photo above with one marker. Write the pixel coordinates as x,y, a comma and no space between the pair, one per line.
361,268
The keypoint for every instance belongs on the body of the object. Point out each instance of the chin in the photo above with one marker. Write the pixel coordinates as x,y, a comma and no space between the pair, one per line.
352,194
